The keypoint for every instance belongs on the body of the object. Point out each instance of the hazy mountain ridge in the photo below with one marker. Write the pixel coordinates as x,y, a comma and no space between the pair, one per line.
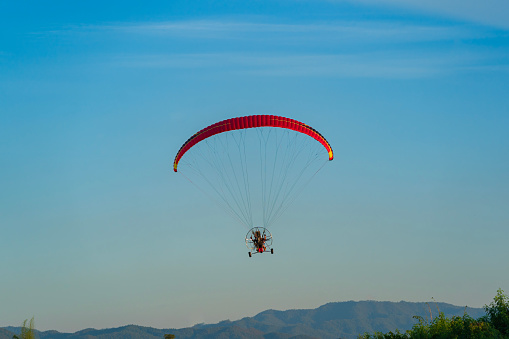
332,320
348,319
6,334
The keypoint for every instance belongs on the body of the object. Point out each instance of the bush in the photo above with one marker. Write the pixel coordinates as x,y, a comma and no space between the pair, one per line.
497,313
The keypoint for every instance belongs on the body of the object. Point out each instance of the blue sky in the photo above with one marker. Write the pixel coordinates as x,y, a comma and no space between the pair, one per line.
96,99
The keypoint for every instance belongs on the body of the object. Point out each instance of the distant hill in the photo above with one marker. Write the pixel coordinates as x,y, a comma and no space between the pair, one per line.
5,334
332,320
346,319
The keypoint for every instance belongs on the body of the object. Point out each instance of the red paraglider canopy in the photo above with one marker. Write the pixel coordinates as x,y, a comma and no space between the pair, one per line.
251,121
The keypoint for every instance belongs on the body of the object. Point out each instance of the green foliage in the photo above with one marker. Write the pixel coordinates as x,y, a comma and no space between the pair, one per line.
443,328
494,325
169,336
380,335
26,332
497,313
455,327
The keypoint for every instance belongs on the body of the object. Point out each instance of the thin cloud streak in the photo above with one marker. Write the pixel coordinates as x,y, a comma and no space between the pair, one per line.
341,49
494,13
340,31
360,65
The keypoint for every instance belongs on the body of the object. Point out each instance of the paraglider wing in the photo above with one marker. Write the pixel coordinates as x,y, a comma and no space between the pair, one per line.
251,121
253,166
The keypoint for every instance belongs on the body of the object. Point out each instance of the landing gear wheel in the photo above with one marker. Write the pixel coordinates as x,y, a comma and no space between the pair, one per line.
249,254
271,251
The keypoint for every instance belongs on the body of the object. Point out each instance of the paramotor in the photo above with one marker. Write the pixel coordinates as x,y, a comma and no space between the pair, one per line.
253,166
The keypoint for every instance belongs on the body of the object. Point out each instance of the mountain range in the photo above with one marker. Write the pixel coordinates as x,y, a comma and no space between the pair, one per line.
333,320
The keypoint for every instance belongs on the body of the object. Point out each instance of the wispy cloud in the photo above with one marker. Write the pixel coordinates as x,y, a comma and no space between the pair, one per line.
367,65
337,49
380,31
488,12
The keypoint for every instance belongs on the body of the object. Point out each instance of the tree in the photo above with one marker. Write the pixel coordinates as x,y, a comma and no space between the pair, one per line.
26,332
169,336
497,312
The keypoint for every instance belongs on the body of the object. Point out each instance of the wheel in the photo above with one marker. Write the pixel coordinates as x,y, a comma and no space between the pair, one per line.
249,254
271,251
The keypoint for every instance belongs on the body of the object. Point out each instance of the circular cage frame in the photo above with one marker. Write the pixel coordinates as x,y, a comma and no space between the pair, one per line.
264,232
